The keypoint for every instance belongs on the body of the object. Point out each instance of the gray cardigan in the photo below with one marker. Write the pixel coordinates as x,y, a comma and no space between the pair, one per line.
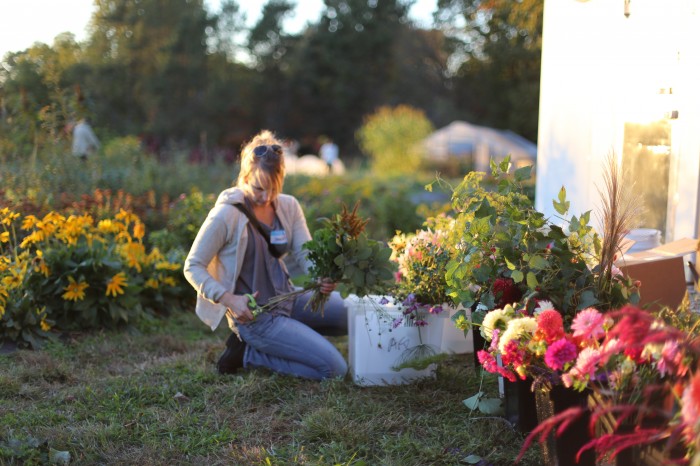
216,257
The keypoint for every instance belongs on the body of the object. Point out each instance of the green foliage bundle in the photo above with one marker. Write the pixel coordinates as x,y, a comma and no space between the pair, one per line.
73,273
391,137
341,252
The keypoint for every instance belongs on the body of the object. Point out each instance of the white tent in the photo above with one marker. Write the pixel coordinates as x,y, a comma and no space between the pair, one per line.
462,139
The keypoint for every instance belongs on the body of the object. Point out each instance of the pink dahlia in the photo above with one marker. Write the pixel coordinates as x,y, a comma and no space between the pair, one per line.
559,353
513,355
588,324
671,360
587,362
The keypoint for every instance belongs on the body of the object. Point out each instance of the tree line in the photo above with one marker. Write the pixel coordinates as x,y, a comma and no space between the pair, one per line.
176,74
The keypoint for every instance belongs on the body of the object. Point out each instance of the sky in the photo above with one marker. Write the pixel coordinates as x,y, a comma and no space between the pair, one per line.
23,22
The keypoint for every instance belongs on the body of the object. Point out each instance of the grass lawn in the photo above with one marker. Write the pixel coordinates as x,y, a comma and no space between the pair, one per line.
152,396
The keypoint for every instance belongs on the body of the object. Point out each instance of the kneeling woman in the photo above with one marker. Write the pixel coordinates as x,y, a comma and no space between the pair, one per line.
239,250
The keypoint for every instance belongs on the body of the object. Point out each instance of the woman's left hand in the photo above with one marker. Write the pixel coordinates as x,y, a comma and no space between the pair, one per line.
327,286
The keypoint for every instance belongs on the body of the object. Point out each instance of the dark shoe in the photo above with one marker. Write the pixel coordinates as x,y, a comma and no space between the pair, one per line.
232,359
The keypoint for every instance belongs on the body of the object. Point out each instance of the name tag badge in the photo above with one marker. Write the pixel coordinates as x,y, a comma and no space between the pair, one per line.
278,237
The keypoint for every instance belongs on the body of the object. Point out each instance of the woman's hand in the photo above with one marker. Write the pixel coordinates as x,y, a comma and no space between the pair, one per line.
237,307
327,286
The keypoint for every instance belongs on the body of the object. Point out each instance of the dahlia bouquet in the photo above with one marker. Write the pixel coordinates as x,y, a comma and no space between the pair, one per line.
422,259
641,373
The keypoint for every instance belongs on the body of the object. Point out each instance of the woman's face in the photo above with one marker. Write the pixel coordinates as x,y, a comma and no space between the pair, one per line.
261,195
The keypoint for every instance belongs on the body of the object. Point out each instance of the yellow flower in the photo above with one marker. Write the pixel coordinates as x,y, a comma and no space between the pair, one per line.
14,280
5,237
108,226
116,284
126,217
154,256
124,236
139,231
170,281
7,216
44,326
165,265
40,263
29,222
74,291
151,283
72,229
33,238
54,217
134,253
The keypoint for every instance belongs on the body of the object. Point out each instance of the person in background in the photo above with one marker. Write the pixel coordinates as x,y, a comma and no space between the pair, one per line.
329,153
239,251
84,140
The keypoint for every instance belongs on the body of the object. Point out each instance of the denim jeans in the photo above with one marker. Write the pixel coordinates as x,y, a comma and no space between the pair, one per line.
293,345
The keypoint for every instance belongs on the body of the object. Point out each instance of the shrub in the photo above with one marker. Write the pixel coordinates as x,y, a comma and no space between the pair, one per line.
388,203
391,137
73,273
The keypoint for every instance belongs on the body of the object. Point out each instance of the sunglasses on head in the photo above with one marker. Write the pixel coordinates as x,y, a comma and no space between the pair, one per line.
264,151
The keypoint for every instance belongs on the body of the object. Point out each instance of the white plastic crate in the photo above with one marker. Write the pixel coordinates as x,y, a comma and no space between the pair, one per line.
375,346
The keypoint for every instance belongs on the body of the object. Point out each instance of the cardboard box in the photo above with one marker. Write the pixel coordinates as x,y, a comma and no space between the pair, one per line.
375,346
661,271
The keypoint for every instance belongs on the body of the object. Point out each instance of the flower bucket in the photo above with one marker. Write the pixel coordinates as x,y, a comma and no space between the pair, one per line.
379,337
453,339
520,405
561,450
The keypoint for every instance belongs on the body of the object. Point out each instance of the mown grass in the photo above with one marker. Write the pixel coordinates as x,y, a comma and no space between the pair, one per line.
151,396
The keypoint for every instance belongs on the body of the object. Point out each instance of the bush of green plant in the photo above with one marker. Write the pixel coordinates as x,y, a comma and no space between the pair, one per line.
390,203
391,138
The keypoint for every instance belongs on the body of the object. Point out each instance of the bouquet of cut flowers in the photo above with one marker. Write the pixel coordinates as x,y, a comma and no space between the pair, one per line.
638,370
422,259
341,252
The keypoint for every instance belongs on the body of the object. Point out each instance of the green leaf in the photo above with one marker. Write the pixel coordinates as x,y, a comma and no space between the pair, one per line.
509,264
517,276
532,280
522,174
472,459
505,163
562,207
490,406
473,401
538,263
588,299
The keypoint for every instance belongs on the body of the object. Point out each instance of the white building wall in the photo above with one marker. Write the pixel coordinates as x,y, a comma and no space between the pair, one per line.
600,69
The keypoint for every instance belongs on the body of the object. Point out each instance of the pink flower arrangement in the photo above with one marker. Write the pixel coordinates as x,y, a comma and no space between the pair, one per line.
422,259
641,370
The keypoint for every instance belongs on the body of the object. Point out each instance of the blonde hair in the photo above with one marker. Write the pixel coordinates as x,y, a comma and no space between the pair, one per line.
264,171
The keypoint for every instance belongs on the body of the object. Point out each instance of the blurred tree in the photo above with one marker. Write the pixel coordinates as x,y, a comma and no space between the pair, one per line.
391,137
344,65
501,42
150,65
268,46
